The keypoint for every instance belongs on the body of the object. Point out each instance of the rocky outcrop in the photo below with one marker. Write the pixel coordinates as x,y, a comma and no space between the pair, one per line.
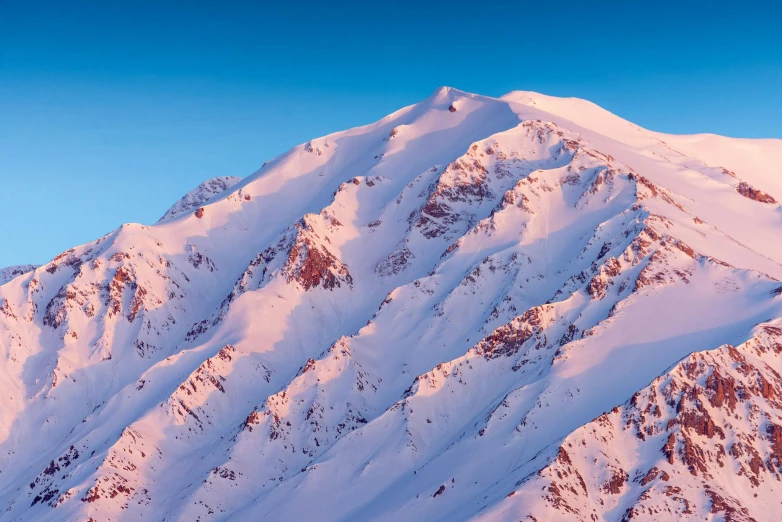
754,194
713,419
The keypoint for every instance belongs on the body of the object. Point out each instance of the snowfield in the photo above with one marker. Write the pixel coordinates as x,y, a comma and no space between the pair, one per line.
516,308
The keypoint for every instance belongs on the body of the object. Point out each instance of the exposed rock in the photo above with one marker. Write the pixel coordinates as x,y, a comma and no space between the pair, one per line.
754,194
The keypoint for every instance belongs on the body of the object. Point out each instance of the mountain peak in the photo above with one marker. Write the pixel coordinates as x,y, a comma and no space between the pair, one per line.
474,308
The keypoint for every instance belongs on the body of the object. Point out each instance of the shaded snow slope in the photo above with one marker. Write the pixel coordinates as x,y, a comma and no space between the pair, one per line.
453,312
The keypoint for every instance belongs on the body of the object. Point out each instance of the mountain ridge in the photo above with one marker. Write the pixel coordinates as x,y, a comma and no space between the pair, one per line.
345,330
10,272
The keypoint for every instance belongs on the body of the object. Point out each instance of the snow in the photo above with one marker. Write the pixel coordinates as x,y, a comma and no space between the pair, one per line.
403,321
200,195
10,272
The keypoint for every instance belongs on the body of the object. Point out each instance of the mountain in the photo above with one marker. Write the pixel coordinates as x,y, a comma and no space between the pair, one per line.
10,272
200,195
516,308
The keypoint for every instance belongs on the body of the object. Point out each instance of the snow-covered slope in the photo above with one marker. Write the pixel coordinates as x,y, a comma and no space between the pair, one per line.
200,195
10,272
472,308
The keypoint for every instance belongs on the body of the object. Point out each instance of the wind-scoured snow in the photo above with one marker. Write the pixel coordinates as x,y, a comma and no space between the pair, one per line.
472,308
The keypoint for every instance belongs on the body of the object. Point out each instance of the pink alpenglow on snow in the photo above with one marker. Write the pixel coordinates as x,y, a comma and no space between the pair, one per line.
499,309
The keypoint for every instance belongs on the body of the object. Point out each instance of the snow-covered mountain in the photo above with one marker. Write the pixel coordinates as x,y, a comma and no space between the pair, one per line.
10,272
522,308
200,195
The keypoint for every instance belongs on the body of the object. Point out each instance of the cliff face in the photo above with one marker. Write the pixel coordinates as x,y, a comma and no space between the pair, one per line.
475,307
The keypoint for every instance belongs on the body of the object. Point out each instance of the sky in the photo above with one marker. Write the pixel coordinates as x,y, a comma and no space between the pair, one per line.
112,110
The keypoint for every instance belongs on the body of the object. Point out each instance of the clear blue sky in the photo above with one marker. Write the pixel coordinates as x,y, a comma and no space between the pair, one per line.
111,110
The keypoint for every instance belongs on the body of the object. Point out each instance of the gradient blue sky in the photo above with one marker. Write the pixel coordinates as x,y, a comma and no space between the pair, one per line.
111,110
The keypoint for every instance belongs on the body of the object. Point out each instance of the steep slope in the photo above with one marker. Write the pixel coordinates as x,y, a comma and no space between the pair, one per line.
702,440
412,320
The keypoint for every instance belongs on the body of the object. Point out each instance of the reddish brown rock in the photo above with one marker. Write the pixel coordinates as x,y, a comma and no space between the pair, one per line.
754,194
